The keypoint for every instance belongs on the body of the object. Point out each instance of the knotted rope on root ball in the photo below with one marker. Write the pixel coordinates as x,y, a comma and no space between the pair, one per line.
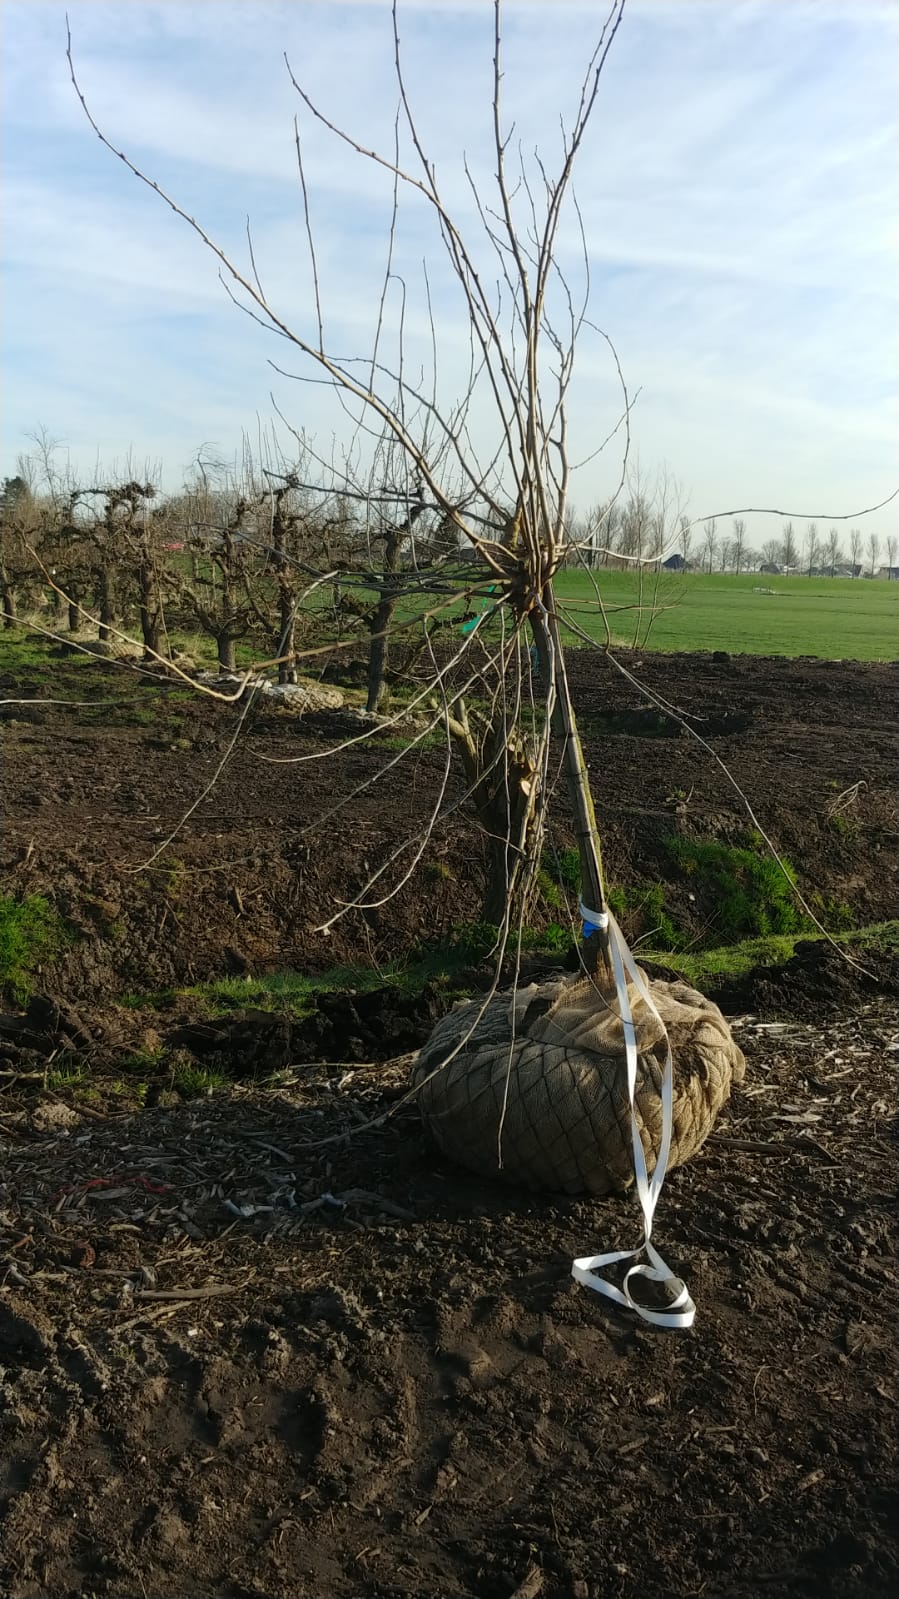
536,1092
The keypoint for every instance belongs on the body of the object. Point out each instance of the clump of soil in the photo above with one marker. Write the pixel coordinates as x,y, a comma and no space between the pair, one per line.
818,980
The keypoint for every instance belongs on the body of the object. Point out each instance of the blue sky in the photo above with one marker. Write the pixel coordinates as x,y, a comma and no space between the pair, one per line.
736,188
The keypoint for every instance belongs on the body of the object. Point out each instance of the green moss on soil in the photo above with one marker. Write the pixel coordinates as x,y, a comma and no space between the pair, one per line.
30,933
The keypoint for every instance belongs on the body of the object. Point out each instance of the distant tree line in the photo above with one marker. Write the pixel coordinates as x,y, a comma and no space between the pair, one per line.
635,530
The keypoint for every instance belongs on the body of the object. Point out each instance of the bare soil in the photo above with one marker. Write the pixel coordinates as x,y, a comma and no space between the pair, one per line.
250,1347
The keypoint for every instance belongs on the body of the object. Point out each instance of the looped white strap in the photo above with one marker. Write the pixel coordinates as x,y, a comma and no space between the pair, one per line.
680,1312
597,921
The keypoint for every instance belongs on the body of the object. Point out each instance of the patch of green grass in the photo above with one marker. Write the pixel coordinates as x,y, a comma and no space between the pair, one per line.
470,943
127,1088
294,992
560,874
439,872
30,932
161,999
175,879
195,1082
549,890
751,895
70,1075
643,902
549,940
282,991
19,647
104,715
143,1060
835,914
429,741
706,967
569,867
845,825
646,903
880,936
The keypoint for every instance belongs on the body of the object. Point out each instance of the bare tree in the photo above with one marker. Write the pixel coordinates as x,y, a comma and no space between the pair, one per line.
636,528
834,552
522,341
789,550
220,535
710,540
738,544
873,553
594,536
891,554
685,536
855,550
134,499
16,513
811,548
772,551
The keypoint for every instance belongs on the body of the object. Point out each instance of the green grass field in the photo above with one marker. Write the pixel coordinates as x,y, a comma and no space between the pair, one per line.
835,618
832,618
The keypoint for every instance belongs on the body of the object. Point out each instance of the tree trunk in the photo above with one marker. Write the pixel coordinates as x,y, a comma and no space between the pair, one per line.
149,615
287,643
377,651
106,597
74,616
501,781
8,596
514,833
383,613
227,658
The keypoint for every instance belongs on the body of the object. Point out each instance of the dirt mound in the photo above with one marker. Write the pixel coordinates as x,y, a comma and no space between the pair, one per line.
819,980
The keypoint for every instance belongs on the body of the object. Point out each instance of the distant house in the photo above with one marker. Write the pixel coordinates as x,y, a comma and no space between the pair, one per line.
674,563
771,568
890,573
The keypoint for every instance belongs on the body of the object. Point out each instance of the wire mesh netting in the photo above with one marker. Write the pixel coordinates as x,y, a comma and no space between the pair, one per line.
535,1090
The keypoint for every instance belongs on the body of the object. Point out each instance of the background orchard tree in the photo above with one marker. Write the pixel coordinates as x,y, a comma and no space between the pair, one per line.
738,543
811,555
789,549
834,553
18,524
855,550
710,543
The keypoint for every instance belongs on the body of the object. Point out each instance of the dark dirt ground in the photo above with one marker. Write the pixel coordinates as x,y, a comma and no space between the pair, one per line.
252,1351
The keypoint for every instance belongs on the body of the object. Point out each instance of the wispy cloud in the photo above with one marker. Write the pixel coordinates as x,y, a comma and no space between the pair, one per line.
736,189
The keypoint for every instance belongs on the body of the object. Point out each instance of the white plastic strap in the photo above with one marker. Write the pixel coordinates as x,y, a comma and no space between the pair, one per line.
595,920
681,1311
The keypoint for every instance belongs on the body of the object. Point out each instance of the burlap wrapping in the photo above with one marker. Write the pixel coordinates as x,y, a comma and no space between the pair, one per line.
555,1053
